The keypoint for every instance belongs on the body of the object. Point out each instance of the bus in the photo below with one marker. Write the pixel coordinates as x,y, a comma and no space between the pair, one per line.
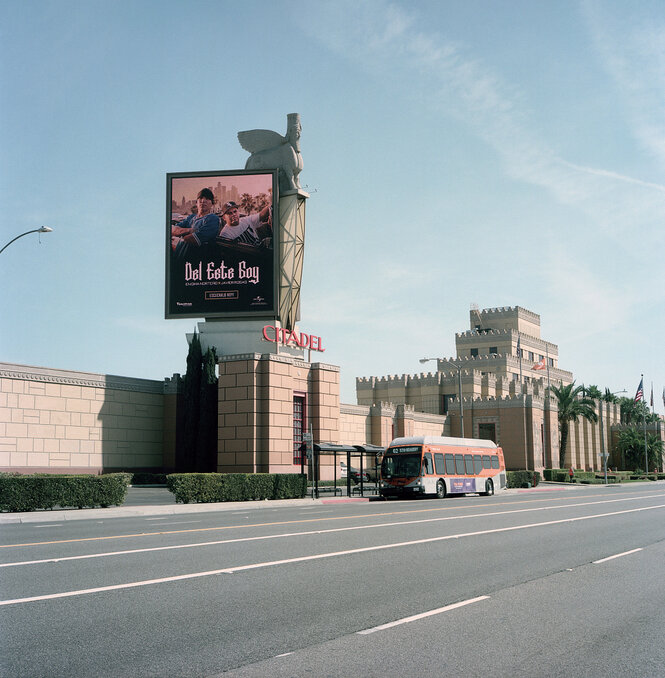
438,466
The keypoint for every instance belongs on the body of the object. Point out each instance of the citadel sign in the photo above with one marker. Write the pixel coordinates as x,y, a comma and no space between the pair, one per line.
280,335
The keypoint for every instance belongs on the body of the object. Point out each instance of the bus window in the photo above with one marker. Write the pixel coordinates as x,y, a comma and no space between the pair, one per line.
486,461
401,465
427,463
459,464
450,464
468,462
477,464
438,463
495,461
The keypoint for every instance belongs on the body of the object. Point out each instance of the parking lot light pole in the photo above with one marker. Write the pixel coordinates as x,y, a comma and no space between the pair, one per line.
459,386
43,229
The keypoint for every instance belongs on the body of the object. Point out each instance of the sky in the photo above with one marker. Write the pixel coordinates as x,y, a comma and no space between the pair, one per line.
456,152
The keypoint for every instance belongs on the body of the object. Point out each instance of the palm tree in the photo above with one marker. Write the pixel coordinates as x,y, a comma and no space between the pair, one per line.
609,397
631,444
632,411
593,392
571,405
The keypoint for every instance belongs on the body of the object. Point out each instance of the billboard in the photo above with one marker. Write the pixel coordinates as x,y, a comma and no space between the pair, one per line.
221,248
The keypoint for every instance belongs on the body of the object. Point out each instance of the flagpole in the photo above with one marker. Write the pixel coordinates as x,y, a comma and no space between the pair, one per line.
646,456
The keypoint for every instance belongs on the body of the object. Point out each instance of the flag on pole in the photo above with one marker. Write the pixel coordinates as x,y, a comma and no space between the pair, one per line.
663,396
640,391
540,365
651,395
519,350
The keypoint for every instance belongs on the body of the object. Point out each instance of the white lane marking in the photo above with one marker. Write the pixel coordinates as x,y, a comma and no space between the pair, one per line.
160,518
617,555
43,527
319,556
284,654
422,615
300,534
183,522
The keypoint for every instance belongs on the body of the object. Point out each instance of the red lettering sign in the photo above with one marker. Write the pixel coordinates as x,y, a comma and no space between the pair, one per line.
279,335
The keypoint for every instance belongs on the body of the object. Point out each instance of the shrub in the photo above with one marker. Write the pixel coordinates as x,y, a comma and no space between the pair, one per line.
32,492
522,478
220,487
556,475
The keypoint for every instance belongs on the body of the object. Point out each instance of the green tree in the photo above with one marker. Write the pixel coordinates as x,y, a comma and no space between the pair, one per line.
572,405
593,392
609,397
191,404
633,412
206,440
631,445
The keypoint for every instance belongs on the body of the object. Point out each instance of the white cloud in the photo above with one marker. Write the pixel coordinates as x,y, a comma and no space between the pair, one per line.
385,39
631,47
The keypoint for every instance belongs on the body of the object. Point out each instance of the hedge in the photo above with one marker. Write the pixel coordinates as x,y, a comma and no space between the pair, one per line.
560,475
522,478
218,487
42,491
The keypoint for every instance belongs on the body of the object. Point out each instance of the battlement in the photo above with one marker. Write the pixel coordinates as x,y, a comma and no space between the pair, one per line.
484,333
510,311
405,380
513,318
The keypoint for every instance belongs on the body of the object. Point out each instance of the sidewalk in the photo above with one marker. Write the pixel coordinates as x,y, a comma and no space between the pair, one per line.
166,506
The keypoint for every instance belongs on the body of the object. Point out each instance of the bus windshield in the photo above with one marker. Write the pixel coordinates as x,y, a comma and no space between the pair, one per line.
400,466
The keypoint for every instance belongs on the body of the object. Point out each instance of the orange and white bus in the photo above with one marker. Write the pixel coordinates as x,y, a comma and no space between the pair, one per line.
437,466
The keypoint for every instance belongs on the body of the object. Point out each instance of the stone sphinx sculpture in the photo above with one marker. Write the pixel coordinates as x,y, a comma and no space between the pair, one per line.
270,150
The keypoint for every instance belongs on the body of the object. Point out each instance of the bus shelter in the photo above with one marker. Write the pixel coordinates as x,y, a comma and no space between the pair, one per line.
348,453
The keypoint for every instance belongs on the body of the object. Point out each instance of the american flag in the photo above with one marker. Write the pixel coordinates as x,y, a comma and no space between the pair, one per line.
640,391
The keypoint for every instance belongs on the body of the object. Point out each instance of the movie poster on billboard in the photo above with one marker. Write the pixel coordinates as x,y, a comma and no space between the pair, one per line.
221,248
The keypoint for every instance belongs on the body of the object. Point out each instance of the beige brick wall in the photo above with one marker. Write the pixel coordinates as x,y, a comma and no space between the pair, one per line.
64,421
255,411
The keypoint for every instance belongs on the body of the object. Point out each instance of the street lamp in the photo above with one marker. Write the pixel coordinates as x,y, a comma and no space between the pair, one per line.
459,386
43,229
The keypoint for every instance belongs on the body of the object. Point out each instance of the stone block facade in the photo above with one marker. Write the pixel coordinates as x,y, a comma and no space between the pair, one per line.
57,421
257,394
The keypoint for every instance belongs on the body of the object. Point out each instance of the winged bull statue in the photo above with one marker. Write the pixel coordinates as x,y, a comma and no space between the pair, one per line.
270,150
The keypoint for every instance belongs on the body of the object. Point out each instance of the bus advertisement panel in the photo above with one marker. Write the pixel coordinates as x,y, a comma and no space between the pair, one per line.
221,248
438,466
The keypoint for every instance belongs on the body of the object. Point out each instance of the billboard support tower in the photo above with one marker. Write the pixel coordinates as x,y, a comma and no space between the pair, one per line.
272,151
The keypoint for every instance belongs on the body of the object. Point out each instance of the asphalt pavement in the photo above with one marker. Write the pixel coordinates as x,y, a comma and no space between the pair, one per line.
157,500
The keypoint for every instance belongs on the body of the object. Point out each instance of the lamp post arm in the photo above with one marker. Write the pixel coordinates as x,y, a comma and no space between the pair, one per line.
43,229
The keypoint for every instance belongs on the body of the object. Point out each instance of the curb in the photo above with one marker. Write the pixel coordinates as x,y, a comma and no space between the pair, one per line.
136,511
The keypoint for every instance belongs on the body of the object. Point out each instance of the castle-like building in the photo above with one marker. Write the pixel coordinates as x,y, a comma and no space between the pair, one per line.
503,369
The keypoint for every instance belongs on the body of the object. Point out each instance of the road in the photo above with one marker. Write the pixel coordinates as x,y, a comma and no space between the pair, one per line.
545,582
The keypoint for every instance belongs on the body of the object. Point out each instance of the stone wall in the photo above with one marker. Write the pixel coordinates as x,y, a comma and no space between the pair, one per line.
57,421
255,410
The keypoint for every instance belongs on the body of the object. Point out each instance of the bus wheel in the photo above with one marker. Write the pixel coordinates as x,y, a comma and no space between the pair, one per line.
441,489
489,489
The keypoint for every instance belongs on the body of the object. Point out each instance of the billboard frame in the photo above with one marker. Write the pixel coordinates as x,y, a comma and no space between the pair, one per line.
170,274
